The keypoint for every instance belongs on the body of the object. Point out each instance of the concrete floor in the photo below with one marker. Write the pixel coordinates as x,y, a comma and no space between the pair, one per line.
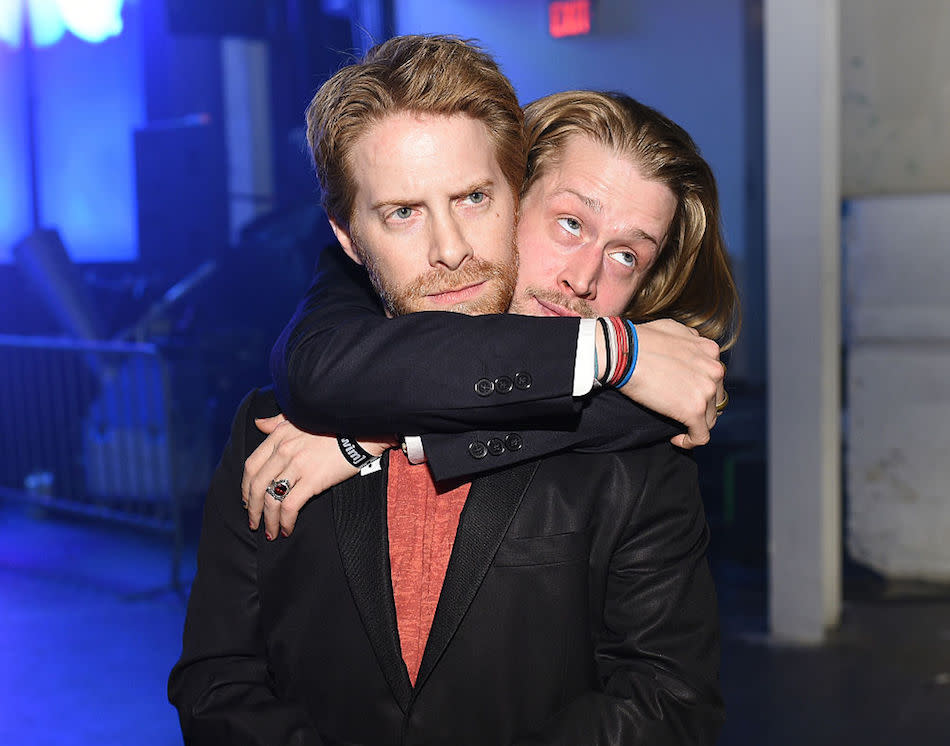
89,635
882,679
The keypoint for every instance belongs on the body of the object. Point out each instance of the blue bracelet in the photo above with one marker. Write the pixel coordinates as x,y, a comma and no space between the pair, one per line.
634,349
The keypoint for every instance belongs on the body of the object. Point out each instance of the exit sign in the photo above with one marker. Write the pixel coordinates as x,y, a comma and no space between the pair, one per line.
569,18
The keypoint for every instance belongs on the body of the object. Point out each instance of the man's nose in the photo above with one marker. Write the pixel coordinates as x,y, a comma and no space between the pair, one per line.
580,272
449,245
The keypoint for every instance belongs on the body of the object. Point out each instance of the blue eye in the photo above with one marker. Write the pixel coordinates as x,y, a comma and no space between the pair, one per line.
476,198
626,258
571,225
403,213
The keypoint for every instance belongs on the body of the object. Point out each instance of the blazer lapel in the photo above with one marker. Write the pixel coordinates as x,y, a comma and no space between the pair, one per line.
491,505
359,510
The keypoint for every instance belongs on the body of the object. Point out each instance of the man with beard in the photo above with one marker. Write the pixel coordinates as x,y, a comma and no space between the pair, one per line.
564,600
619,216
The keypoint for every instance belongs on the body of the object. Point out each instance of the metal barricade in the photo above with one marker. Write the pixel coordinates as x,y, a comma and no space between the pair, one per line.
87,427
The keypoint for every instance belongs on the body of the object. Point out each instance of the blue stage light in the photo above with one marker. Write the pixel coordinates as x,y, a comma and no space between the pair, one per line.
11,23
93,21
46,22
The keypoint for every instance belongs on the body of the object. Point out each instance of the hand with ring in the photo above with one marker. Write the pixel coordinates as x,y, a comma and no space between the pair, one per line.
278,489
288,469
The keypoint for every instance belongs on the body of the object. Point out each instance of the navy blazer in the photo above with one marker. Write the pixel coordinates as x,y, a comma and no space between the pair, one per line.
464,382
577,608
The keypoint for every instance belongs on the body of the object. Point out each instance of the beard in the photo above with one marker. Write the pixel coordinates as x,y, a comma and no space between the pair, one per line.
499,278
523,302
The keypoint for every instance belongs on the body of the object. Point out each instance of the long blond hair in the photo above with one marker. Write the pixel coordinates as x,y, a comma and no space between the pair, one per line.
691,279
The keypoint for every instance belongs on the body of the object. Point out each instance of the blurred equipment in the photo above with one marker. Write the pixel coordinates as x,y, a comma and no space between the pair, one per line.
141,328
101,440
43,260
181,185
246,18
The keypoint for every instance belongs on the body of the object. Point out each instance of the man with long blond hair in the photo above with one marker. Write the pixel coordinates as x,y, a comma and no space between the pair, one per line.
562,600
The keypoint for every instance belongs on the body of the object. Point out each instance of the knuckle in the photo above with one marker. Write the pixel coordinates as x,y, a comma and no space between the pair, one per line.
710,347
698,408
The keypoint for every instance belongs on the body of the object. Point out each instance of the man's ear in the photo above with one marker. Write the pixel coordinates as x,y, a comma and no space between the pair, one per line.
346,241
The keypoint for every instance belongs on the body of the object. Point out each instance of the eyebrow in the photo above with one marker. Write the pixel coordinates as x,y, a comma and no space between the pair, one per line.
591,202
597,206
480,185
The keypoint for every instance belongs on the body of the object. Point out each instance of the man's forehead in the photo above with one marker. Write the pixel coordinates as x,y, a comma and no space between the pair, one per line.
581,151
608,183
410,150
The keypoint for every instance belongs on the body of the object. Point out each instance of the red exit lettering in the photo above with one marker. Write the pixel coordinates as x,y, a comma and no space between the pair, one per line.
569,18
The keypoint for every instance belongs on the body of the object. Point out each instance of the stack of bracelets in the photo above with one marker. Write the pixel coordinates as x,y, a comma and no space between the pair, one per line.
620,337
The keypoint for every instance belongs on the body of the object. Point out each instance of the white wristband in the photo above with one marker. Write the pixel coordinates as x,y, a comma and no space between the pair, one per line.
413,448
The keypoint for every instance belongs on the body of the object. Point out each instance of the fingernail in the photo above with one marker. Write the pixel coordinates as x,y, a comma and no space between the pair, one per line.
268,536
283,532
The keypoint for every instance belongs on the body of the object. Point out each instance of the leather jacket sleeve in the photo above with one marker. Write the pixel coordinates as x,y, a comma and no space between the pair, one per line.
221,685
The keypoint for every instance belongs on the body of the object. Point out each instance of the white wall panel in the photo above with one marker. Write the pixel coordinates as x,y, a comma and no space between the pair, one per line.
898,359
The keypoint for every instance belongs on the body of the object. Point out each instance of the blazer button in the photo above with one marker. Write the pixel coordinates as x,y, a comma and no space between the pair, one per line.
477,449
523,380
514,441
504,385
484,387
496,446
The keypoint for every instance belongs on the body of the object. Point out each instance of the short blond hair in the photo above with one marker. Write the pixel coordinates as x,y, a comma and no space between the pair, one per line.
442,75
691,279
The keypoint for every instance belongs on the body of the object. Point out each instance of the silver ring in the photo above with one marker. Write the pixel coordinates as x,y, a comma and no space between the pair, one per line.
278,489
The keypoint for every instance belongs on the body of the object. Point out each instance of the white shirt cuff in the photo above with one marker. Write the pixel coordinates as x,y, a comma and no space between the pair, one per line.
415,453
584,372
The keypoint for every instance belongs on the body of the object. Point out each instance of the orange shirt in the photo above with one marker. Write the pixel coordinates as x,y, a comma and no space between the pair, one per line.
422,523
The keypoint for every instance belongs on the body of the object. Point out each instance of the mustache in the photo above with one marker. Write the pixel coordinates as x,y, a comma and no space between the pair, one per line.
578,305
435,281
